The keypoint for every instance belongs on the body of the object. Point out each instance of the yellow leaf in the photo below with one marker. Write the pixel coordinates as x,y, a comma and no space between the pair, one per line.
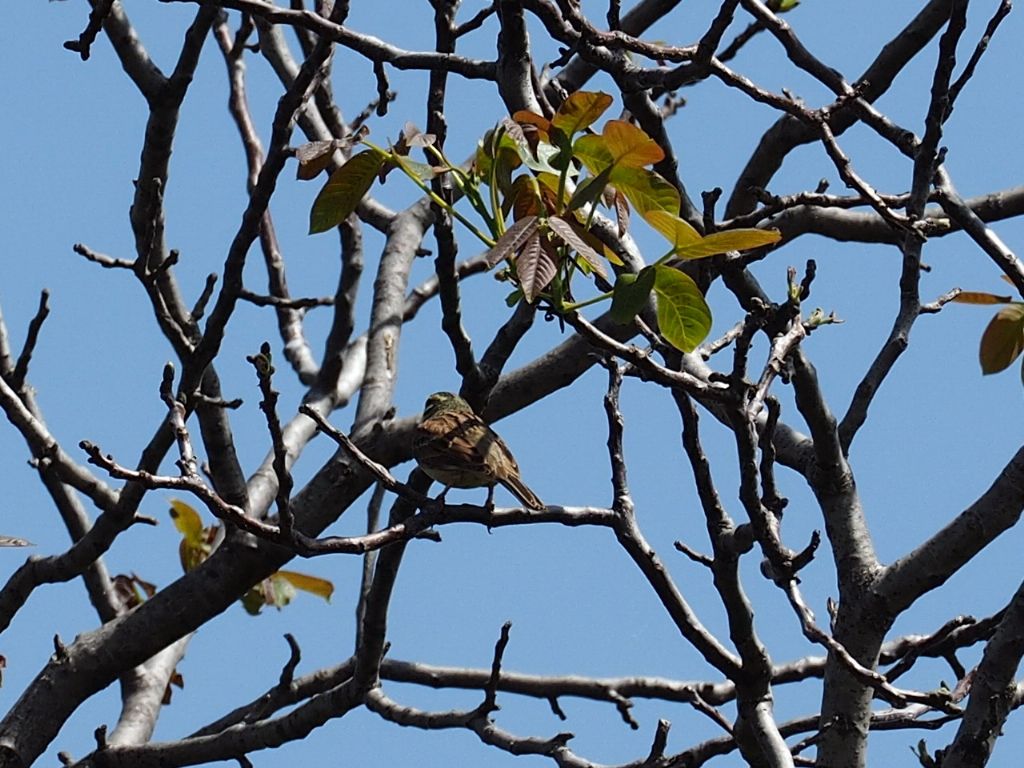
677,231
630,146
312,584
580,110
729,240
187,521
980,297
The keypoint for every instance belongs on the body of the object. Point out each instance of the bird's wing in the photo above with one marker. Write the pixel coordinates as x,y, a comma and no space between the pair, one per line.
451,440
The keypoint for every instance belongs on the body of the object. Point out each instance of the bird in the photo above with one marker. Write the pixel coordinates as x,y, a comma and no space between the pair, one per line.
458,449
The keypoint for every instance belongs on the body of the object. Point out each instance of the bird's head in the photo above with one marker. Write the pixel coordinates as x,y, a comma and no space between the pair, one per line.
444,402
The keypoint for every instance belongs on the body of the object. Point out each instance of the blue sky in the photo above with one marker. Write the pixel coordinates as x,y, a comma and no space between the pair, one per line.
937,435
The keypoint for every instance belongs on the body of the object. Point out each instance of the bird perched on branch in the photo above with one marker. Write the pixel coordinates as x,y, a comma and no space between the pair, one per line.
458,449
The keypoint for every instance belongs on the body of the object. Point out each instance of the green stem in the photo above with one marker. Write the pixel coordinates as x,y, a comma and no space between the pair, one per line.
580,304
456,214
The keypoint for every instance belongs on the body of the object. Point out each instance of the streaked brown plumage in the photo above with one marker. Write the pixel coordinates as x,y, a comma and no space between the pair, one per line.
458,449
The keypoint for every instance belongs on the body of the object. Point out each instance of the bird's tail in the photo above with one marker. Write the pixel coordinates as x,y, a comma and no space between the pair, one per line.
521,491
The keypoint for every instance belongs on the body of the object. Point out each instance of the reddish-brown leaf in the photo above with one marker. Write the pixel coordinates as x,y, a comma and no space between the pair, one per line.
535,267
568,235
512,240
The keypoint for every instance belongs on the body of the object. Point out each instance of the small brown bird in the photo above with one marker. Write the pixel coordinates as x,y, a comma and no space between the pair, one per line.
458,449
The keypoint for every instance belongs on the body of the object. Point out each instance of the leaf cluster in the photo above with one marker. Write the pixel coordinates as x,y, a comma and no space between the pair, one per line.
551,175
277,590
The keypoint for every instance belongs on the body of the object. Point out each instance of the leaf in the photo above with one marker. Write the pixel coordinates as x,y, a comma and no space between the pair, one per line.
132,591
410,137
536,156
535,268
524,196
197,541
177,680
526,117
565,232
544,162
312,584
187,521
421,171
630,147
687,242
621,212
580,110
630,294
1003,339
596,244
506,154
980,297
343,191
683,316
562,159
314,156
729,240
678,231
278,590
588,192
593,152
512,240
253,600
646,190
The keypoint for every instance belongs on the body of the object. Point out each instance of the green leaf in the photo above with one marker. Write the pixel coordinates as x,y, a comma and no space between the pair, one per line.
540,158
278,590
565,232
646,190
512,240
343,191
1003,339
683,316
630,294
421,171
630,147
729,240
560,139
580,110
534,268
593,152
253,600
591,189
545,161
